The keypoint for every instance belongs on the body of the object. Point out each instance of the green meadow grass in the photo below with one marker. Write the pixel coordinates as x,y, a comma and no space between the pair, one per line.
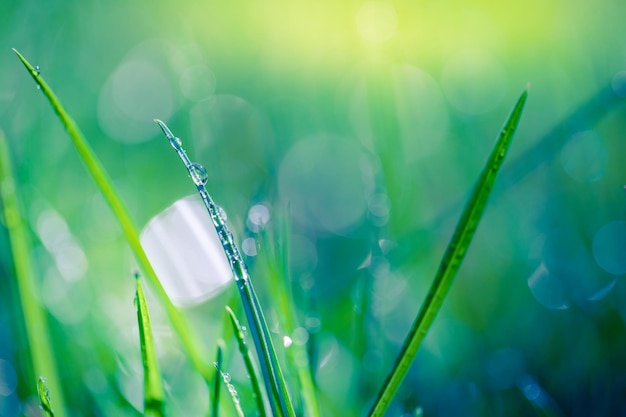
276,394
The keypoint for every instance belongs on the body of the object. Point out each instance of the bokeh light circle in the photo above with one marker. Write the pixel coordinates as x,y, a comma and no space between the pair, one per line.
584,157
609,247
134,94
321,178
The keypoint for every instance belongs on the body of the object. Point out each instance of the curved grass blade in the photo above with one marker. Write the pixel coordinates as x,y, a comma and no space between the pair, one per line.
451,261
44,397
35,321
272,374
154,396
128,228
247,360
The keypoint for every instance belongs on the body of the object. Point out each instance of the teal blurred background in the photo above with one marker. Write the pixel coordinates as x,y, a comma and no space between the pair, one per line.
371,122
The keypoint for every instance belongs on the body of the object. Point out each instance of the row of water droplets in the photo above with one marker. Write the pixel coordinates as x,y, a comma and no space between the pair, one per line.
231,388
199,176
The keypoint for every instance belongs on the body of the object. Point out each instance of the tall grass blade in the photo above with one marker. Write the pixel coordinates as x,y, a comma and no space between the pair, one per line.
121,214
278,272
272,374
451,261
44,397
35,321
154,397
247,360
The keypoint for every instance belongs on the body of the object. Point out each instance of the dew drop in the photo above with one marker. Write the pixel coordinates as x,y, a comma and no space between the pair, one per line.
198,173
37,70
222,213
226,377
287,341
176,142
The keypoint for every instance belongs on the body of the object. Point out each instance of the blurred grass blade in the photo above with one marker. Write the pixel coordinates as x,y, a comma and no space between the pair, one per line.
35,320
44,397
247,360
451,261
219,358
278,273
121,214
272,374
154,396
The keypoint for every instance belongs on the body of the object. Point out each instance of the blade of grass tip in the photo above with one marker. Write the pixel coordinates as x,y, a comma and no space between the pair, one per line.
219,359
247,360
451,261
129,230
272,375
154,396
44,397
35,321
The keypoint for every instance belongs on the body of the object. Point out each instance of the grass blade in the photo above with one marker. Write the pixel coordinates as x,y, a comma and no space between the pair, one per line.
272,374
247,360
35,320
120,212
277,270
452,259
153,386
44,397
219,358
232,391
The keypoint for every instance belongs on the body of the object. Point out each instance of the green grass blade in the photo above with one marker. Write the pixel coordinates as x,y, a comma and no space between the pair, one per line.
452,258
154,396
278,273
272,375
232,391
121,214
35,320
247,360
219,359
44,397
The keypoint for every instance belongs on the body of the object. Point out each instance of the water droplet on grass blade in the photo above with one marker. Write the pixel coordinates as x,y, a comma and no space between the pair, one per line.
37,70
198,173
222,213
176,142
287,341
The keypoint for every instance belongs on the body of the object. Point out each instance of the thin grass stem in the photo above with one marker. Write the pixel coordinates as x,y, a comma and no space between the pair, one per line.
105,185
35,320
451,261
154,396
217,386
247,360
232,391
274,380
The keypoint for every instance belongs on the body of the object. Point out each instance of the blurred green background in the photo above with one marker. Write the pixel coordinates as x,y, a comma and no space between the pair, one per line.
371,120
